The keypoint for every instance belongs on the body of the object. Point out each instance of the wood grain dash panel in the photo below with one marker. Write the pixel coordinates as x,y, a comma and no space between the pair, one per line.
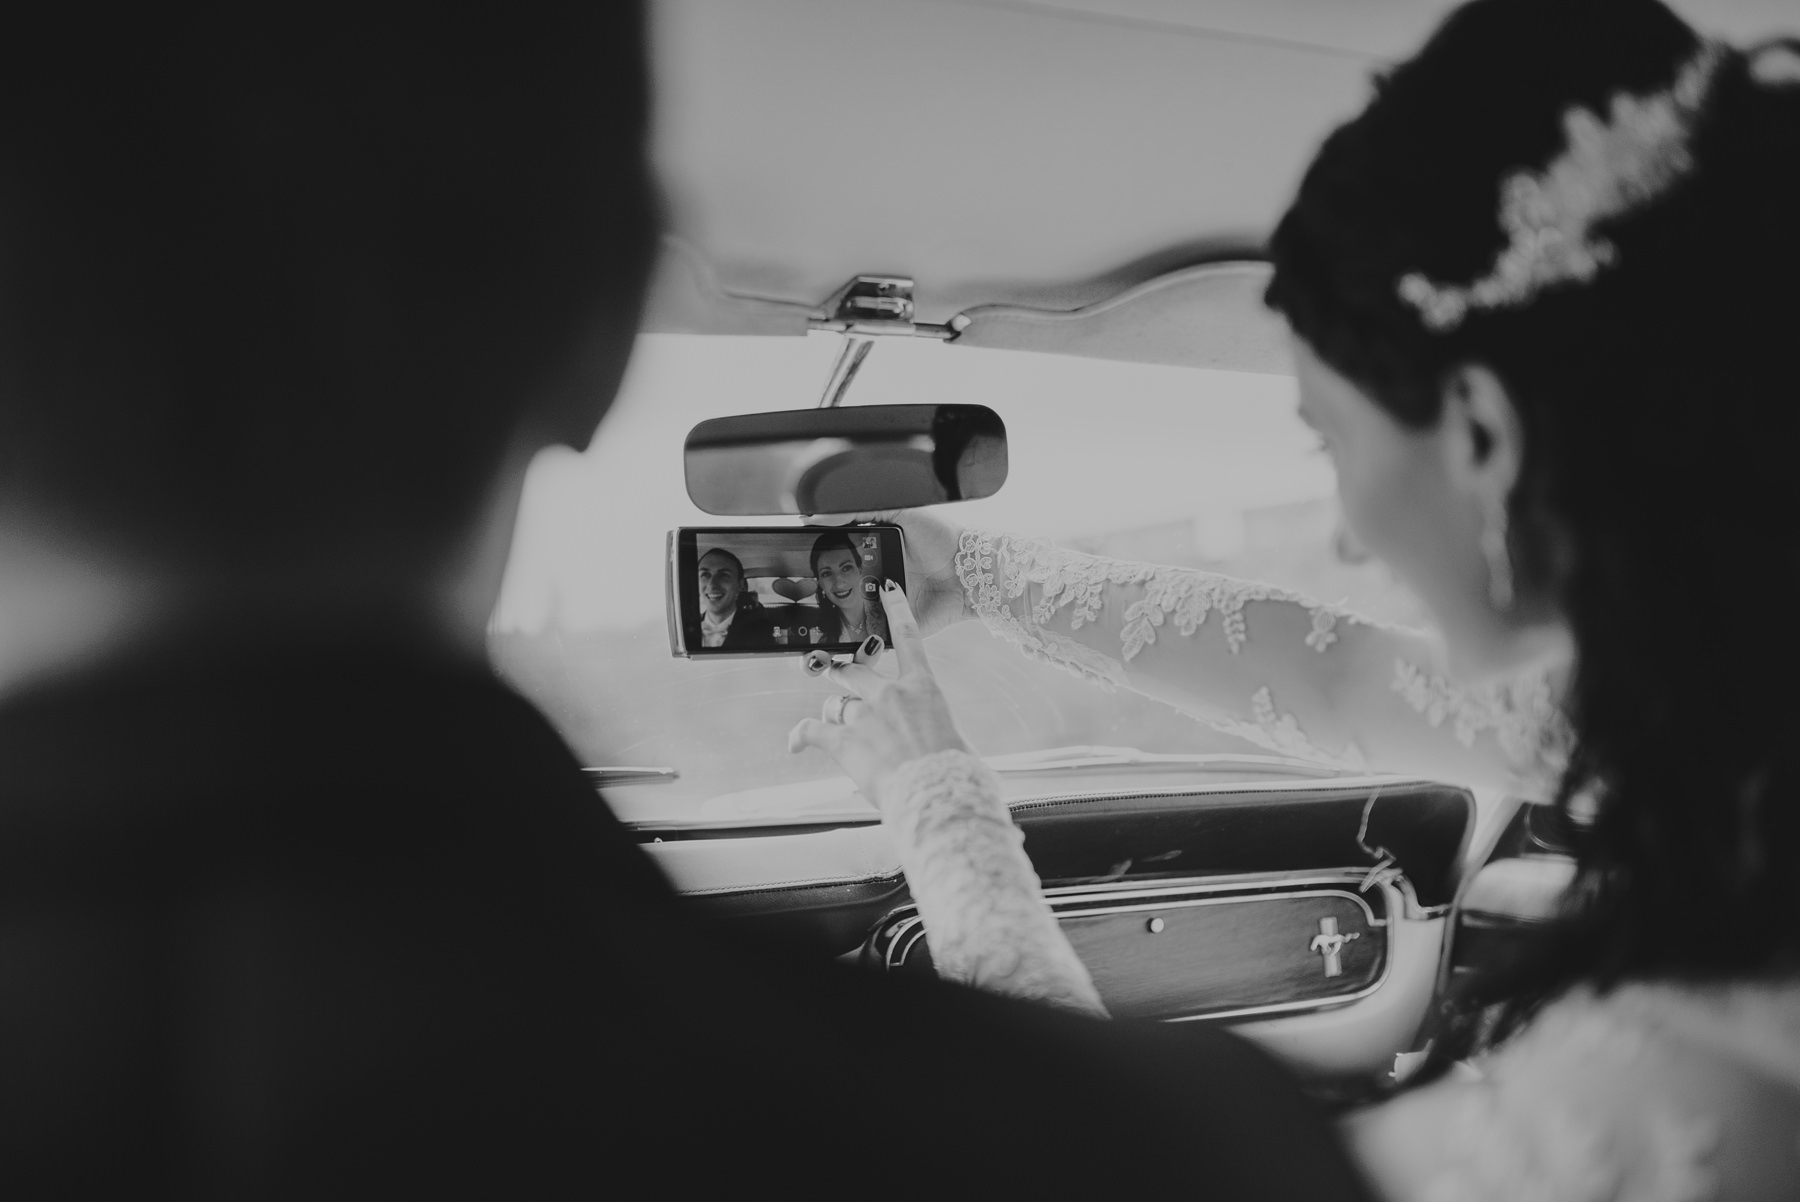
1192,957
1225,955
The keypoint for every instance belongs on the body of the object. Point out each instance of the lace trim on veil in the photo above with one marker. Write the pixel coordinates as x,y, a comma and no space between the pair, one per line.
997,572
1524,715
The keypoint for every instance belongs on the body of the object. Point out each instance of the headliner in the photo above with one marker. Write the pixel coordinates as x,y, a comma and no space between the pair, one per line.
1038,152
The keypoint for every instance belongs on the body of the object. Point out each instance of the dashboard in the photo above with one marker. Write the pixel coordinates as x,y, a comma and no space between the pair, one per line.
1315,916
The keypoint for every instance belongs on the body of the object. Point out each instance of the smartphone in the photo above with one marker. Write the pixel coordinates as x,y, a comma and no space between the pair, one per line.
777,590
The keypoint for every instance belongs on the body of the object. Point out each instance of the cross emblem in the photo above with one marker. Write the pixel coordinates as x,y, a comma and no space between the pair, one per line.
1330,944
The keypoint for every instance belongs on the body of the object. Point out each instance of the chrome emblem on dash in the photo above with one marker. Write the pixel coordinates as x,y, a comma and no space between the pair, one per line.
1330,944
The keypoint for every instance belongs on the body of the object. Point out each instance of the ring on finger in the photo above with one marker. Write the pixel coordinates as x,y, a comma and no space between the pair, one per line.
834,708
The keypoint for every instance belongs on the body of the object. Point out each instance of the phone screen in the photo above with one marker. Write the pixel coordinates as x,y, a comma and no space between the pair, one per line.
746,590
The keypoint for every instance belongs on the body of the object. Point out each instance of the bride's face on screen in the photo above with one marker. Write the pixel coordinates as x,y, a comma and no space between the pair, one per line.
1416,498
840,579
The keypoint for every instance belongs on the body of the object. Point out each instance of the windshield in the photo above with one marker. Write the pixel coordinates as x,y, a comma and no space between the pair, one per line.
1159,464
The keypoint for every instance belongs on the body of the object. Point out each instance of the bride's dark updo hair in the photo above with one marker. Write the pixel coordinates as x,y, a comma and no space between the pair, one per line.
1661,408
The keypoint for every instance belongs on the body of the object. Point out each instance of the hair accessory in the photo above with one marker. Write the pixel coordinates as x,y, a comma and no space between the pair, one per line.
1607,168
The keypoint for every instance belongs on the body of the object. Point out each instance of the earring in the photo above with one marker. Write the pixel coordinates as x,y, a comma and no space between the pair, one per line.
1498,556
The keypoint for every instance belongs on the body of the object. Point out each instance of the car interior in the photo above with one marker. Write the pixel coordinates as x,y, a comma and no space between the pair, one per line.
1079,189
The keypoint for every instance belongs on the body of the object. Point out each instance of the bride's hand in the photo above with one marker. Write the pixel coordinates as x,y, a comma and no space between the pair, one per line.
935,593
883,723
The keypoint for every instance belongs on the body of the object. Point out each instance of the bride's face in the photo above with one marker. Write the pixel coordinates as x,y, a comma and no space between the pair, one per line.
1415,498
840,579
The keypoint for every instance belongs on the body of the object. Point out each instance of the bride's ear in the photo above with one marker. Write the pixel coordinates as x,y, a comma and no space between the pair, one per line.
1483,437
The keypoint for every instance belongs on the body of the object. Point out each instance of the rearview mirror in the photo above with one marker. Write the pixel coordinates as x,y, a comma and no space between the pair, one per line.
845,460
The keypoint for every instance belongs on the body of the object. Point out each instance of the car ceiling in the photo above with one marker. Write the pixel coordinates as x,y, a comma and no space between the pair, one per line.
1001,152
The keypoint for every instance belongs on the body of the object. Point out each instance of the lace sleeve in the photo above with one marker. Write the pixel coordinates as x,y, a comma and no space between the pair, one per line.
980,899
1318,683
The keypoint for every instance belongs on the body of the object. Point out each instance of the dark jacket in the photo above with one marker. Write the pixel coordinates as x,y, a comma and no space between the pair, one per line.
334,924
762,626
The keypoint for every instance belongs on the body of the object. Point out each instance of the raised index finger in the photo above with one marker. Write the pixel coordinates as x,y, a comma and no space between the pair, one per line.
858,680
909,645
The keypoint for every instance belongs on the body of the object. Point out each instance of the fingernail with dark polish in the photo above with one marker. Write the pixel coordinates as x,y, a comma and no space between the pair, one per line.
872,644
889,585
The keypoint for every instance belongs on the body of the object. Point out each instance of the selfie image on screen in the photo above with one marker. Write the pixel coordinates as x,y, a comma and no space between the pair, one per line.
762,590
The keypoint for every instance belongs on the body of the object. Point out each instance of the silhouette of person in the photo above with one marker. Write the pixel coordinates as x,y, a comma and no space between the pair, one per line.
296,899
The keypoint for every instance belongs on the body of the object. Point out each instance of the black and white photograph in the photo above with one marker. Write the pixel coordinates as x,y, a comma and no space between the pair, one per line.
901,599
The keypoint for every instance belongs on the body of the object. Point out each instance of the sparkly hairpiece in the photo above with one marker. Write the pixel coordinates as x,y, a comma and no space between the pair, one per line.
1606,169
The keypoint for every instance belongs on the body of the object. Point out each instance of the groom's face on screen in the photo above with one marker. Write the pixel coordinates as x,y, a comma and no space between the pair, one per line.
719,584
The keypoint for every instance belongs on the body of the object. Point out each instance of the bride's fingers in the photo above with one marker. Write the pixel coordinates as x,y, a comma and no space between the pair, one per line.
858,680
820,663
811,732
909,644
844,519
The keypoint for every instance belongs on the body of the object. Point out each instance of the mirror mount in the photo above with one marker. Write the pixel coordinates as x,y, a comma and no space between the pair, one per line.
849,361
874,306
868,307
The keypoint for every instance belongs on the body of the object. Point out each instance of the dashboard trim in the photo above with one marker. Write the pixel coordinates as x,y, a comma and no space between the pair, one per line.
1304,785
903,928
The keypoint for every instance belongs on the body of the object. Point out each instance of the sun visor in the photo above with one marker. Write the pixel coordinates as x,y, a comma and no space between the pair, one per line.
685,298
1209,316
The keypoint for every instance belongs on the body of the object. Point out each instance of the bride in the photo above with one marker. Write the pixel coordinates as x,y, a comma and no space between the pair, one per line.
1542,298
847,613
